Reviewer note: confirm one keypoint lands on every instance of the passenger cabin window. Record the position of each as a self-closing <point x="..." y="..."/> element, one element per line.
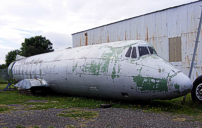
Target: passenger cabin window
<point x="128" y="52"/>
<point x="152" y="51"/>
<point x="143" y="50"/>
<point x="134" y="55"/>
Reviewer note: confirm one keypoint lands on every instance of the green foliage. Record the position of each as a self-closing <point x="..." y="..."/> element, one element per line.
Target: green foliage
<point x="70" y="126"/>
<point x="3" y="108"/>
<point x="3" y="66"/>
<point x="31" y="46"/>
<point x="79" y="114"/>
<point x="10" y="57"/>
<point x="36" y="45"/>
<point x="19" y="126"/>
<point x="2" y="82"/>
<point x="36" y="127"/>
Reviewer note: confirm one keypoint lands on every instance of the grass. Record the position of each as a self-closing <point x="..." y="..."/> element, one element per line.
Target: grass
<point x="3" y="108"/>
<point x="76" y="113"/>
<point x="52" y="101"/>
<point x="20" y="126"/>
<point x="70" y="126"/>
<point x="174" y="106"/>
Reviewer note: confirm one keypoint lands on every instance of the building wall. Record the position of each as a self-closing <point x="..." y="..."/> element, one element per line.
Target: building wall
<point x="171" y="31"/>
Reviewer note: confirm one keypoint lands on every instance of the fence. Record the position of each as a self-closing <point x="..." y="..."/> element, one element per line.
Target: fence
<point x="3" y="75"/>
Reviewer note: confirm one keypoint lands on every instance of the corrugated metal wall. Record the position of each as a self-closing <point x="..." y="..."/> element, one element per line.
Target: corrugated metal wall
<point x="156" y="28"/>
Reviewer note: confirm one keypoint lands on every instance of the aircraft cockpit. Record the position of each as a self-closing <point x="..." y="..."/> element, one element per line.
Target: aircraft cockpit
<point x="138" y="51"/>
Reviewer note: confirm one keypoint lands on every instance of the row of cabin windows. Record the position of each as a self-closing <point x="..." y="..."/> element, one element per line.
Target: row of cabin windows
<point x="24" y="69"/>
<point x="143" y="50"/>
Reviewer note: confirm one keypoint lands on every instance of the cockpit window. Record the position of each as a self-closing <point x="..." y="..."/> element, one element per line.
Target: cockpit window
<point x="152" y="51"/>
<point x="143" y="51"/>
<point x="134" y="55"/>
<point x="128" y="52"/>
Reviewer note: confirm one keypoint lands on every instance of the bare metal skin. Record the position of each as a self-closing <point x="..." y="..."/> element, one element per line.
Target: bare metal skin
<point x="109" y="70"/>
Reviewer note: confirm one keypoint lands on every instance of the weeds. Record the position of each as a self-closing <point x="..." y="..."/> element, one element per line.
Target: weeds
<point x="175" y="106"/>
<point x="79" y="114"/>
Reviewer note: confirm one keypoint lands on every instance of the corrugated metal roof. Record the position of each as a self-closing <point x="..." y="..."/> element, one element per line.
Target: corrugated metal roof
<point x="138" y="16"/>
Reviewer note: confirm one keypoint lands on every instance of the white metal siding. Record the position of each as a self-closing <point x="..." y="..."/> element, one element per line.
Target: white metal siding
<point x="156" y="28"/>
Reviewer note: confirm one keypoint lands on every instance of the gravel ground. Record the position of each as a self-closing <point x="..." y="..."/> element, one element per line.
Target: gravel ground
<point x="108" y="118"/>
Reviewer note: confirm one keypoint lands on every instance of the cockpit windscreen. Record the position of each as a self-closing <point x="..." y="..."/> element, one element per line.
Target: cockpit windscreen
<point x="152" y="51"/>
<point x="128" y="52"/>
<point x="134" y="55"/>
<point x="143" y="50"/>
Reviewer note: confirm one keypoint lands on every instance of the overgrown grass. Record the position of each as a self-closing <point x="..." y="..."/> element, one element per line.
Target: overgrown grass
<point x="52" y="101"/>
<point x="3" y="82"/>
<point x="2" y="86"/>
<point x="3" y="108"/>
<point x="76" y="114"/>
<point x="175" y="106"/>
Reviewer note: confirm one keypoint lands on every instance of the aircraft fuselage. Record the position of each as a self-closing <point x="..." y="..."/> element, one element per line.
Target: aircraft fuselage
<point x="125" y="70"/>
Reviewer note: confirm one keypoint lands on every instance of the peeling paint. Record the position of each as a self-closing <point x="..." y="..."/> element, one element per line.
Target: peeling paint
<point x="149" y="84"/>
<point x="74" y="67"/>
<point x="93" y="68"/>
<point x="104" y="71"/>
<point x="177" y="86"/>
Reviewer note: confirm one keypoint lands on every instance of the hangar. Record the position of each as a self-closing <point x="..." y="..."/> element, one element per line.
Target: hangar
<point x="171" y="31"/>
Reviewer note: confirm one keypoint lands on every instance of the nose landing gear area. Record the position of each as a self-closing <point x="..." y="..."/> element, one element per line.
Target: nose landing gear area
<point x="196" y="93"/>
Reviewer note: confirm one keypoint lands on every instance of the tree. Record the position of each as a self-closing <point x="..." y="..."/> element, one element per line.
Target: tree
<point x="36" y="45"/>
<point x="3" y="66"/>
<point x="10" y="57"/>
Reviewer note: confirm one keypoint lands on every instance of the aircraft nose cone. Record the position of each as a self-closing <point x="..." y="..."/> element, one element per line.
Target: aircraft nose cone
<point x="180" y="84"/>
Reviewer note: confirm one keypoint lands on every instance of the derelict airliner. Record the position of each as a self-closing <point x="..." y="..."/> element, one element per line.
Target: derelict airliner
<point x="124" y="70"/>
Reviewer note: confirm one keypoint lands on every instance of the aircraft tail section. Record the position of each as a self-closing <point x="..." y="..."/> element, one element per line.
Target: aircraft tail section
<point x="19" y="57"/>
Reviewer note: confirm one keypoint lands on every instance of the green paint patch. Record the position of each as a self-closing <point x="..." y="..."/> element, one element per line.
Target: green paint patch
<point x="177" y="86"/>
<point x="149" y="84"/>
<point x="106" y="57"/>
<point x="105" y="65"/>
<point x="143" y="57"/>
<point x="76" y="114"/>
<point x="173" y="75"/>
<point x="114" y="56"/>
<point x="155" y="56"/>
<point x="119" y="68"/>
<point x="113" y="76"/>
<point x="140" y="70"/>
<point x="74" y="67"/>
<point x="93" y="68"/>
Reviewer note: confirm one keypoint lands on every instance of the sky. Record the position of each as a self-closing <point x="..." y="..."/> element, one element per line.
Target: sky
<point x="58" y="19"/>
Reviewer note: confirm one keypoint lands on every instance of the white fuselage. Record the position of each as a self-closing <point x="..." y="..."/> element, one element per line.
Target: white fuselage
<point x="104" y="71"/>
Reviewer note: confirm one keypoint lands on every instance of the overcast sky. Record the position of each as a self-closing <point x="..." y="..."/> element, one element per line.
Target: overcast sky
<point x="58" y="19"/>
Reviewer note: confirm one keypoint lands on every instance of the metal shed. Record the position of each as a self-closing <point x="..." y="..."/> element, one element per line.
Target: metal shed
<point x="171" y="31"/>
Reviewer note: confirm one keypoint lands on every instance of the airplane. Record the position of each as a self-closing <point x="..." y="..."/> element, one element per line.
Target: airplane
<point x="123" y="70"/>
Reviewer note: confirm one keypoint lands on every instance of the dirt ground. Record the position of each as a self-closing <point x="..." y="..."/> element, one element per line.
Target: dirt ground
<point x="106" y="118"/>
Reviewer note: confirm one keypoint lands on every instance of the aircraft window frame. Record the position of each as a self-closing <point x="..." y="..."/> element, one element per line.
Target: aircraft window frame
<point x="153" y="52"/>
<point x="134" y="51"/>
<point x="128" y="53"/>
<point x="140" y="51"/>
